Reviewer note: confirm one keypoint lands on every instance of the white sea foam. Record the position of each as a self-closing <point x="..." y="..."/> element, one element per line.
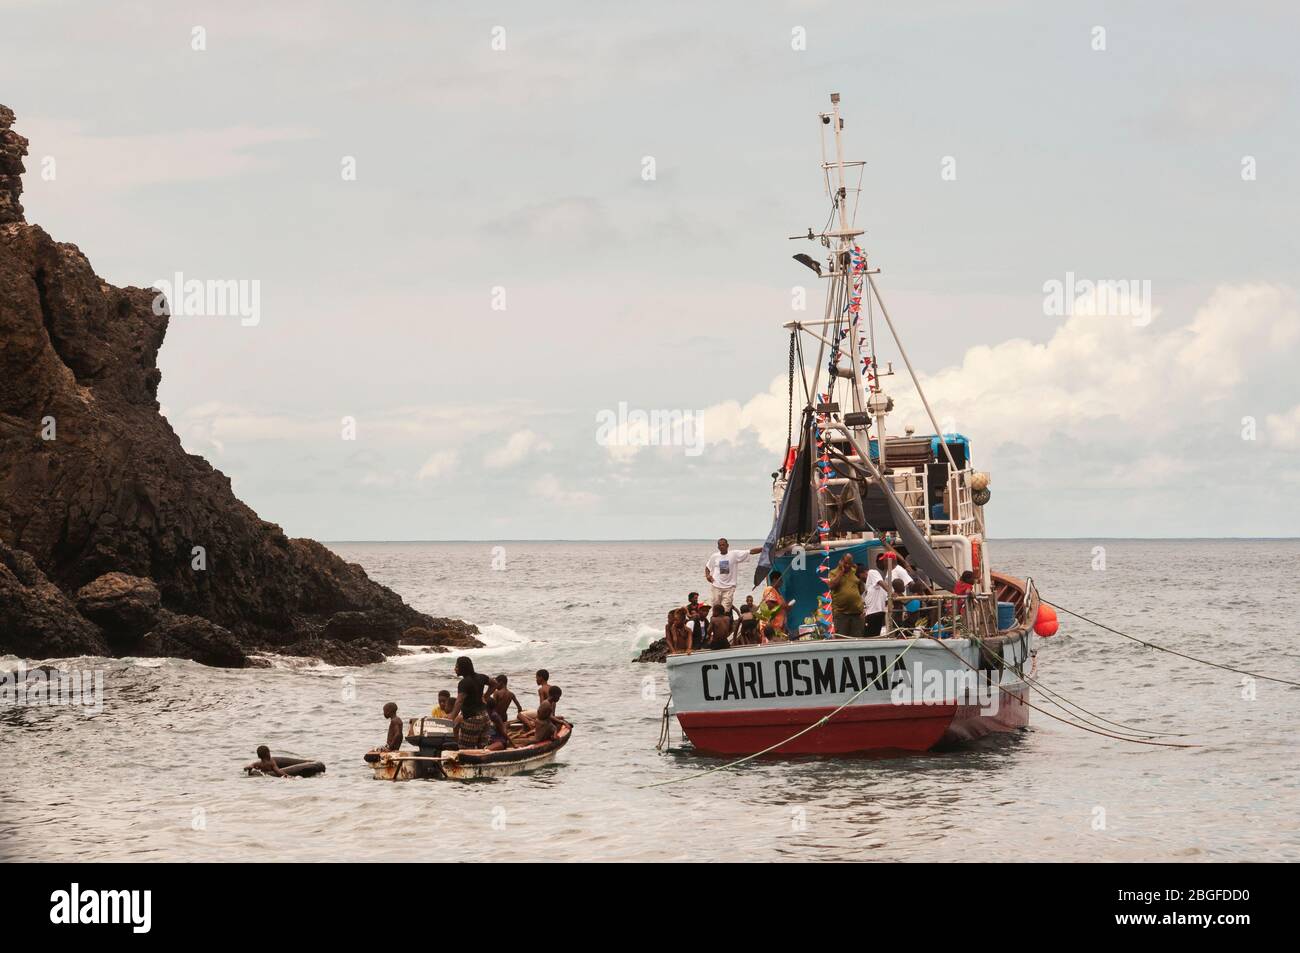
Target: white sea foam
<point x="295" y="663"/>
<point x="496" y="639"/>
<point x="645" y="634"/>
<point x="495" y="636"/>
<point x="140" y="662"/>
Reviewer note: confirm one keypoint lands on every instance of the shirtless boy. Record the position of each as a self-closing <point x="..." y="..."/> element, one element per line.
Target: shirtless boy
<point x="394" y="740"/>
<point x="264" y="764"/>
<point x="545" y="730"/>
<point x="502" y="697"/>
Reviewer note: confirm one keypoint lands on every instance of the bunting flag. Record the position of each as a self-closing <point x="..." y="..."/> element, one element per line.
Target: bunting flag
<point x="825" y="470"/>
<point x="824" y="473"/>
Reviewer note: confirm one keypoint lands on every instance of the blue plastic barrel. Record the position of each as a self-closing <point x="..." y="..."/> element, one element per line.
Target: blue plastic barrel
<point x="1006" y="615"/>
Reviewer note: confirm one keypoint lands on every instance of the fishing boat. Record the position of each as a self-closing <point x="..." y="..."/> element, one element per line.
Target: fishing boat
<point x="946" y="667"/>
<point x="437" y="757"/>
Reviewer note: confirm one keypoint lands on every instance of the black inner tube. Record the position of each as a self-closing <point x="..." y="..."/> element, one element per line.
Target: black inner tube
<point x="299" y="767"/>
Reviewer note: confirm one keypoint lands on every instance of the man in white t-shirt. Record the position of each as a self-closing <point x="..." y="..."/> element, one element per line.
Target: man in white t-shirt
<point x="720" y="571"/>
<point x="897" y="572"/>
<point x="875" y="600"/>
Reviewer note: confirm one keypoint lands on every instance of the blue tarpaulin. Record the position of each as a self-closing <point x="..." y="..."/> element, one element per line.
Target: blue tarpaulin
<point x="804" y="586"/>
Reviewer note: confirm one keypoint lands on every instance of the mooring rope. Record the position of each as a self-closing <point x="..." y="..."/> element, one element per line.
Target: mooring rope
<point x="1152" y="645"/>
<point x="798" y="734"/>
<point x="1056" y="698"/>
<point x="665" y="730"/>
<point x="1095" y="731"/>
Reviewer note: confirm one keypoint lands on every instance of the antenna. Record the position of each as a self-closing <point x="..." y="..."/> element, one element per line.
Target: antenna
<point x="842" y="193"/>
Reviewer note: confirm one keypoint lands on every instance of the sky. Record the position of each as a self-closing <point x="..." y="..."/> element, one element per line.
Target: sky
<point x="476" y="232"/>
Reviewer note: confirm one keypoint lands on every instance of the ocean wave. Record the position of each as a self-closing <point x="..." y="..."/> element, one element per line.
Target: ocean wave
<point x="496" y="639"/>
<point x="11" y="662"/>
<point x="295" y="663"/>
<point x="494" y="636"/>
<point x="644" y="635"/>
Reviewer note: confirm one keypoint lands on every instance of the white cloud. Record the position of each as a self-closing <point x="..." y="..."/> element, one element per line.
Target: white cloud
<point x="1098" y="374"/>
<point x="439" y="464"/>
<point x="763" y="415"/>
<point x="549" y="488"/>
<point x="1283" y="430"/>
<point x="1100" y="382"/>
<point x="517" y="448"/>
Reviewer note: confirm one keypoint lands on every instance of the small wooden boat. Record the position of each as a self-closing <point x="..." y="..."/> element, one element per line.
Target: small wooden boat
<point x="437" y="758"/>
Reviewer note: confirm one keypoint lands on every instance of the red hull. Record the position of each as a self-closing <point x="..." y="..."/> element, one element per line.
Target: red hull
<point x="855" y="730"/>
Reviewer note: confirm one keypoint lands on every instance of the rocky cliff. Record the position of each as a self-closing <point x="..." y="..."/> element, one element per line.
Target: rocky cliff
<point x="113" y="539"/>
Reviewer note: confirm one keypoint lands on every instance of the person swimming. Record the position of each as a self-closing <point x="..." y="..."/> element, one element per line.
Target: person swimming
<point x="265" y="764"/>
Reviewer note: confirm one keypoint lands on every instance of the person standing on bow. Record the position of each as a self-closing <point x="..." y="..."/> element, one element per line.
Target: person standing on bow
<point x="720" y="571"/>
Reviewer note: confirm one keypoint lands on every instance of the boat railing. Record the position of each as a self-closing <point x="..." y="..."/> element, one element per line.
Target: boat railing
<point x="913" y="491"/>
<point x="955" y="615"/>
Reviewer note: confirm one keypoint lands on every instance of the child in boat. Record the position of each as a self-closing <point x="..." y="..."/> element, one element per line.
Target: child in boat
<point x="394" y="740"/>
<point x="553" y="693"/>
<point x="676" y="633"/>
<point x="545" y="729"/>
<point x="499" y="736"/>
<point x="697" y="617"/>
<point x="543" y="683"/>
<point x="502" y="698"/>
<point x="748" y="633"/>
<point x="265" y="764"/>
<point x="720" y="628"/>
<point x="444" y="706"/>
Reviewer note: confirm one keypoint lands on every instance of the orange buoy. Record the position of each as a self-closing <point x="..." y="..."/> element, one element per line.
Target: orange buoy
<point x="1046" y="623"/>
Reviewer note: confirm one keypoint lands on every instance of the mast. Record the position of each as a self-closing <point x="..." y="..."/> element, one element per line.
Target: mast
<point x="846" y="425"/>
<point x="841" y="242"/>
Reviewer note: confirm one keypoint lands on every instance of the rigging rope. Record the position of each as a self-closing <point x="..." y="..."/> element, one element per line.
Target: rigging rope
<point x="789" y="413"/>
<point x="1152" y="645"/>
<point x="798" y="734"/>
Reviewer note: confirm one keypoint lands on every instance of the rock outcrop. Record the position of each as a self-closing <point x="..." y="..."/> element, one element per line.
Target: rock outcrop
<point x="124" y="607"/>
<point x="36" y="619"/>
<point x="99" y="499"/>
<point x="446" y="633"/>
<point x="656" y="651"/>
<point x="192" y="637"/>
<point x="12" y="149"/>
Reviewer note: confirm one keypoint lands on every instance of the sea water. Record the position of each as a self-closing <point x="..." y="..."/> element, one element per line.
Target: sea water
<point x="155" y="774"/>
